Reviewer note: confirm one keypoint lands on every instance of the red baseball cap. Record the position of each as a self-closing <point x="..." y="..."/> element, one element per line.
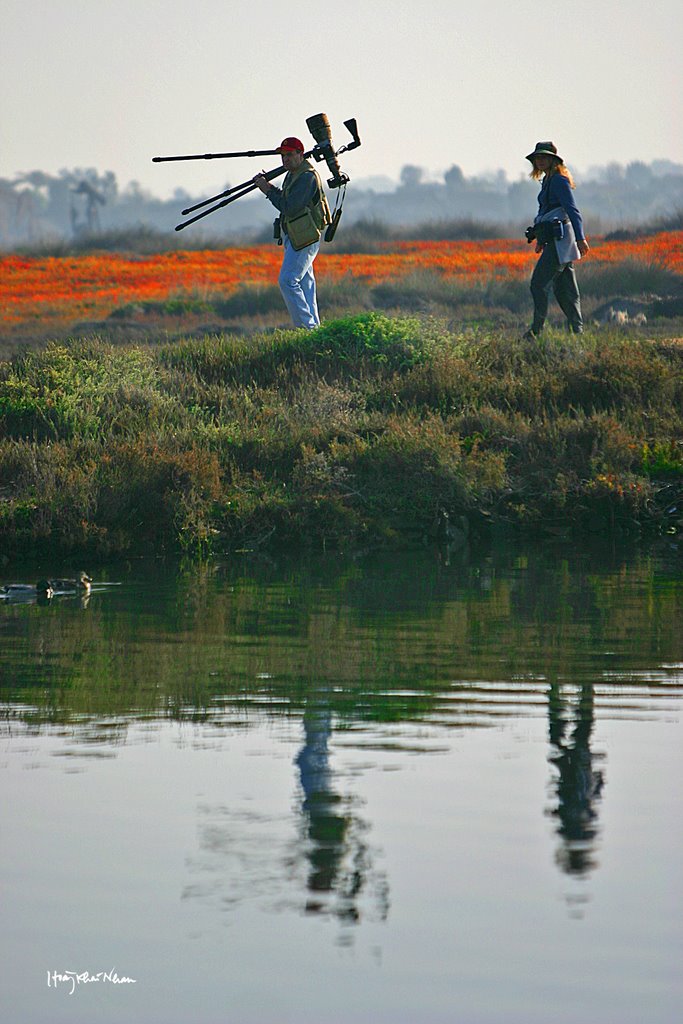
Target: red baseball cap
<point x="291" y="145"/>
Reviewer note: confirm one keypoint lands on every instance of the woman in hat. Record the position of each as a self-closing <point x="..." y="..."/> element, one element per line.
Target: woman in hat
<point x="560" y="239"/>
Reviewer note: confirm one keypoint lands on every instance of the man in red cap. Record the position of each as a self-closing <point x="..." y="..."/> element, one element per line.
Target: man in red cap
<point x="304" y="212"/>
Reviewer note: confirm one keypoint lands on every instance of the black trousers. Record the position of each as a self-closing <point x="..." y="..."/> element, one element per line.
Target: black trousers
<point x="561" y="277"/>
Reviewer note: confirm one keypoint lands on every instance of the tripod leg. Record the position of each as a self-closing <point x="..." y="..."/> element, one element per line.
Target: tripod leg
<point x="218" y="206"/>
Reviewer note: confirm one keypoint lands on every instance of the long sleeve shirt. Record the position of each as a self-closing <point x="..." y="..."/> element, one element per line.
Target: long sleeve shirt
<point x="298" y="191"/>
<point x="556" y="191"/>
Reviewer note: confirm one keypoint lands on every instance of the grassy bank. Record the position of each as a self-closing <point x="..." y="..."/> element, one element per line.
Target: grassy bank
<point x="366" y="430"/>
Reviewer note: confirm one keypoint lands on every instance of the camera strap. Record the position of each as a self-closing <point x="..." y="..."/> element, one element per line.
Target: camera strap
<point x="336" y="216"/>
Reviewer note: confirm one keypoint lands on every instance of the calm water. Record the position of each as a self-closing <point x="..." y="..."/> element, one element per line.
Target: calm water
<point x="414" y="788"/>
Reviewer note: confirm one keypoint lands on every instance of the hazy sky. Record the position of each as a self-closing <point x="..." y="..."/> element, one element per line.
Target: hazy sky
<point x="110" y="83"/>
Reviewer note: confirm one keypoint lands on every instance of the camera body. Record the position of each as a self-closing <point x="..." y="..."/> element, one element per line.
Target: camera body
<point x="545" y="231"/>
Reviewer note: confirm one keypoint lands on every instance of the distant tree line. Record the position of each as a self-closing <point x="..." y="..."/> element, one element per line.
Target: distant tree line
<point x="38" y="207"/>
<point x="615" y="196"/>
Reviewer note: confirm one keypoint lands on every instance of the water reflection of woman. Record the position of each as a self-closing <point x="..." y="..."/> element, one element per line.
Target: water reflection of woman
<point x="578" y="785"/>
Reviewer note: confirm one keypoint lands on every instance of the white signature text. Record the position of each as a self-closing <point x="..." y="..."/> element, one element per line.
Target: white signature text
<point x="75" y="978"/>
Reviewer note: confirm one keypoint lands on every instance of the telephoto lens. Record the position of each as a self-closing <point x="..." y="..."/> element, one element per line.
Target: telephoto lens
<point x="319" y="127"/>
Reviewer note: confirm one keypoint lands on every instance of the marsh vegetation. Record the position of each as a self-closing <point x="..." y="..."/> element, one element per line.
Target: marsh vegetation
<point x="365" y="431"/>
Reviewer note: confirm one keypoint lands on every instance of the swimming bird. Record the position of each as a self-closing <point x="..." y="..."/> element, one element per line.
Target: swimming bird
<point x="81" y="585"/>
<point x="26" y="591"/>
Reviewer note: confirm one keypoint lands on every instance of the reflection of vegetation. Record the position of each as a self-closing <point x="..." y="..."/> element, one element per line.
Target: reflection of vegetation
<point x="495" y="635"/>
<point x="399" y="638"/>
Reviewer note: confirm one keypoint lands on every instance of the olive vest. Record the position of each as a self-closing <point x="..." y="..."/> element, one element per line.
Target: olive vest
<point x="318" y="205"/>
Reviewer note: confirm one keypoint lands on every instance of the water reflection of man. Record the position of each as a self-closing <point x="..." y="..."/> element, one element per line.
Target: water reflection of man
<point x="578" y="785"/>
<point x="339" y="861"/>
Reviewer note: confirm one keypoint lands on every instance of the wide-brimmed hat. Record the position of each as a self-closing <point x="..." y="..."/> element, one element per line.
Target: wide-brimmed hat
<point x="545" y="149"/>
<point x="291" y="145"/>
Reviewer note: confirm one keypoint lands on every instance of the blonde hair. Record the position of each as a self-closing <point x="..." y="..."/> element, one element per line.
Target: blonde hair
<point x="557" y="168"/>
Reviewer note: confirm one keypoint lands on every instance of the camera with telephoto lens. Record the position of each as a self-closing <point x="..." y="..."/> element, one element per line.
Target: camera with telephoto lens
<point x="319" y="127"/>
<point x="530" y="234"/>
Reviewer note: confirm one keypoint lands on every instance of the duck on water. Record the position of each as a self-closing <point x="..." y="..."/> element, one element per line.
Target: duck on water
<point x="47" y="588"/>
<point x="81" y="585"/>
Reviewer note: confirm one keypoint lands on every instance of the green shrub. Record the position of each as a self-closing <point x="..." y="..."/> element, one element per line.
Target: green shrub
<point x="369" y="338"/>
<point x="662" y="459"/>
<point x="66" y="391"/>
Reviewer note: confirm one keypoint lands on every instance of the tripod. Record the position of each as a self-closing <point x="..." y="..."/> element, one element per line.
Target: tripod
<point x="319" y="127"/>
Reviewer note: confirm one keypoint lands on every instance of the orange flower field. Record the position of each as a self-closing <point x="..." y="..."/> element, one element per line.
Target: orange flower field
<point x="41" y="292"/>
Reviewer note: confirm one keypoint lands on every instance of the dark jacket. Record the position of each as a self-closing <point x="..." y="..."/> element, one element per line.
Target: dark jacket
<point x="299" y="190"/>
<point x="556" y="191"/>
